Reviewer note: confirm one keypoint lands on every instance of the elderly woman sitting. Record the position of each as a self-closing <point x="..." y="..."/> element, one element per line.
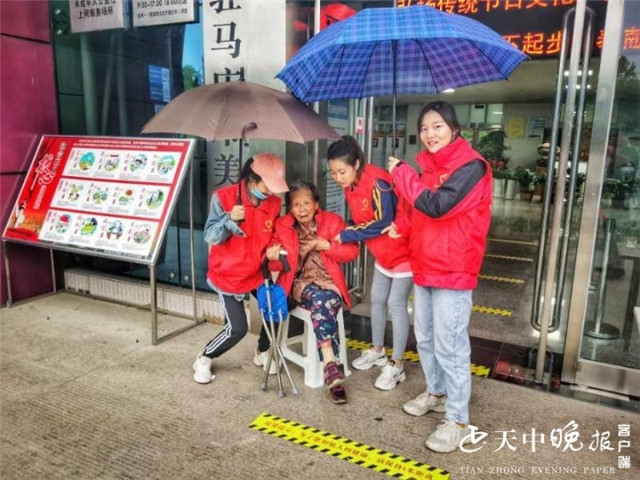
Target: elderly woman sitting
<point x="315" y="280"/>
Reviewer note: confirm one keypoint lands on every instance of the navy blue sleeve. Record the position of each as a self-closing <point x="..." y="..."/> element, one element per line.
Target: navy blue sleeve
<point x="384" y="203"/>
<point x="453" y="190"/>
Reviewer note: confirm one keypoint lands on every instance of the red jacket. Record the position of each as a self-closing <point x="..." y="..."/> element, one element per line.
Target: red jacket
<point x="387" y="251"/>
<point x="447" y="252"/>
<point x="329" y="225"/>
<point x="234" y="265"/>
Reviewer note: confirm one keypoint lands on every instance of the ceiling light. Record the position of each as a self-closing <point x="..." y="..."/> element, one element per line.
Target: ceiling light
<point x="448" y="90"/>
<point x="496" y="113"/>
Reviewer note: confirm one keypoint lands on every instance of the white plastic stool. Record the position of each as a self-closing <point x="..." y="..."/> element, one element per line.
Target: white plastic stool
<point x="309" y="361"/>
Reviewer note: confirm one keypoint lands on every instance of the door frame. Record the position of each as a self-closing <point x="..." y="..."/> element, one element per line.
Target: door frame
<point x="578" y="370"/>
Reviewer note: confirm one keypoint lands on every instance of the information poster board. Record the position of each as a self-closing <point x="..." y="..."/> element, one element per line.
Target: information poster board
<point x="106" y="196"/>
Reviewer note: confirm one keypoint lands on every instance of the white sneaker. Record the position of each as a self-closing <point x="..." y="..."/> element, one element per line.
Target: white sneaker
<point x="202" y="369"/>
<point x="423" y="403"/>
<point x="369" y="358"/>
<point x="390" y="377"/>
<point x="448" y="437"/>
<point x="260" y="359"/>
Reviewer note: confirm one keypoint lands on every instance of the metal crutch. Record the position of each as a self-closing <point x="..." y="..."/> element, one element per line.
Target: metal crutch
<point x="274" y="335"/>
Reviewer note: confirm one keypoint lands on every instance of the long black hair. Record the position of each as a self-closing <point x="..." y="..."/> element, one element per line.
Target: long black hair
<point x="446" y="111"/>
<point x="348" y="151"/>
<point x="248" y="174"/>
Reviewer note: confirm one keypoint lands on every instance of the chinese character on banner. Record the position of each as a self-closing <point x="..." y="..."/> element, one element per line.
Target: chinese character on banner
<point x="226" y="36"/>
<point x="631" y="38"/>
<point x="227" y="76"/>
<point x="222" y="5"/>
<point x="226" y="169"/>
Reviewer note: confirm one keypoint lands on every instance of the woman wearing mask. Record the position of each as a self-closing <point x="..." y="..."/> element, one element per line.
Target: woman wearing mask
<point x="315" y="280"/>
<point x="238" y="230"/>
<point x="447" y="233"/>
<point x="372" y="202"/>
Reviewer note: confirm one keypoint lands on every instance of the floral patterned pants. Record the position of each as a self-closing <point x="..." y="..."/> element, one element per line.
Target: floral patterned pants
<point x="324" y="306"/>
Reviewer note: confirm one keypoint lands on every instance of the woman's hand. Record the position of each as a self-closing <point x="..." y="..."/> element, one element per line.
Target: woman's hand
<point x="273" y="253"/>
<point x="392" y="231"/>
<point x="392" y="163"/>
<point x="322" y="244"/>
<point x="237" y="213"/>
<point x="337" y="238"/>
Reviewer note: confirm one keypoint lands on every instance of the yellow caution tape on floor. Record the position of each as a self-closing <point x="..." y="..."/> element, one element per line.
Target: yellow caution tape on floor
<point x="510" y="257"/>
<point x="390" y="464"/>
<point x="492" y="311"/>
<point x="518" y="242"/>
<point x="410" y="356"/>
<point x="495" y="278"/>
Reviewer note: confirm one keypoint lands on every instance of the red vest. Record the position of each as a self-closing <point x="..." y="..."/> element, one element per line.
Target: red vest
<point x="447" y="252"/>
<point x="388" y="252"/>
<point x="234" y="265"/>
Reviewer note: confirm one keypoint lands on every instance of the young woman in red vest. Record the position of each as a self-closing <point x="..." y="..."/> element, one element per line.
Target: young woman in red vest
<point x="238" y="230"/>
<point x="447" y="234"/>
<point x="373" y="205"/>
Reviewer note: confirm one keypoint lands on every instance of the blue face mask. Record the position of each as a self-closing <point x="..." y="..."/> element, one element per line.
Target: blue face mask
<point x="258" y="194"/>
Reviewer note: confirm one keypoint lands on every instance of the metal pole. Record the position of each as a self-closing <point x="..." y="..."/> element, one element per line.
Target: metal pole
<point x="542" y="241"/>
<point x="192" y="249"/>
<point x="598" y="329"/>
<point x="154" y="304"/>
<point x="7" y="273"/>
<point x="53" y="271"/>
<point x="573" y="176"/>
<point x="88" y="86"/>
<point x="369" y="128"/>
<point x="106" y="98"/>
<point x="122" y="90"/>
<point x="560" y="188"/>
<point x="316" y="105"/>
<point x="394" y="53"/>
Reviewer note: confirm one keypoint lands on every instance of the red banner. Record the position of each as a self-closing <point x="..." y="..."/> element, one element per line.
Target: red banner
<point x="110" y="196"/>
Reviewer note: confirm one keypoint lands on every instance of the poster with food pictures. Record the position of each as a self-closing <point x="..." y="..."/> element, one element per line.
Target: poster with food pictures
<point x="111" y="196"/>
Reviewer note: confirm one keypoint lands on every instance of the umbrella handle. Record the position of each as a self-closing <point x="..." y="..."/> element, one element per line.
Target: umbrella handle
<point x="239" y="199"/>
<point x="244" y="131"/>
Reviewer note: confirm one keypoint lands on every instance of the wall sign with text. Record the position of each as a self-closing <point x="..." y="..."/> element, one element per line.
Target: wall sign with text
<point x="107" y="196"/>
<point x="93" y="15"/>
<point x="145" y="13"/>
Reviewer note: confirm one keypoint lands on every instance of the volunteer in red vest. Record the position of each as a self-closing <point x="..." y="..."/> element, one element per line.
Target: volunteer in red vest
<point x="316" y="280"/>
<point x="238" y="230"/>
<point x="447" y="234"/>
<point x="373" y="204"/>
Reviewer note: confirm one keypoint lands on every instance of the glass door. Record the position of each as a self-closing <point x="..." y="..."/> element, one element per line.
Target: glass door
<point x="603" y="345"/>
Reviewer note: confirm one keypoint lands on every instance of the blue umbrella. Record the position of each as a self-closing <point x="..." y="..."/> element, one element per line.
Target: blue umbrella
<point x="384" y="51"/>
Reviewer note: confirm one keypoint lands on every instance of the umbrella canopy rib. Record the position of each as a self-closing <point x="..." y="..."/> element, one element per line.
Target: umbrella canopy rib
<point x="426" y="60"/>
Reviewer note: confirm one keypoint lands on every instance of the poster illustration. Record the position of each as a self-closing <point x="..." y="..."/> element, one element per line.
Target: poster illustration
<point x="108" y="195"/>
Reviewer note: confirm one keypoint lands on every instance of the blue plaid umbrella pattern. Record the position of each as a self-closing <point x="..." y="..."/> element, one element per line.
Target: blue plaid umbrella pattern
<point x="384" y="51"/>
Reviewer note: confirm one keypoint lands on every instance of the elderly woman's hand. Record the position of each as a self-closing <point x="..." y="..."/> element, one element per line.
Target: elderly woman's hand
<point x="273" y="253"/>
<point x="322" y="244"/>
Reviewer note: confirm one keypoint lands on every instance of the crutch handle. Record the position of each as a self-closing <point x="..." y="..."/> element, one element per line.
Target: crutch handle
<point x="285" y="264"/>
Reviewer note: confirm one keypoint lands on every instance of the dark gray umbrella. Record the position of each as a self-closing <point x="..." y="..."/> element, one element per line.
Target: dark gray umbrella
<point x="240" y="110"/>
